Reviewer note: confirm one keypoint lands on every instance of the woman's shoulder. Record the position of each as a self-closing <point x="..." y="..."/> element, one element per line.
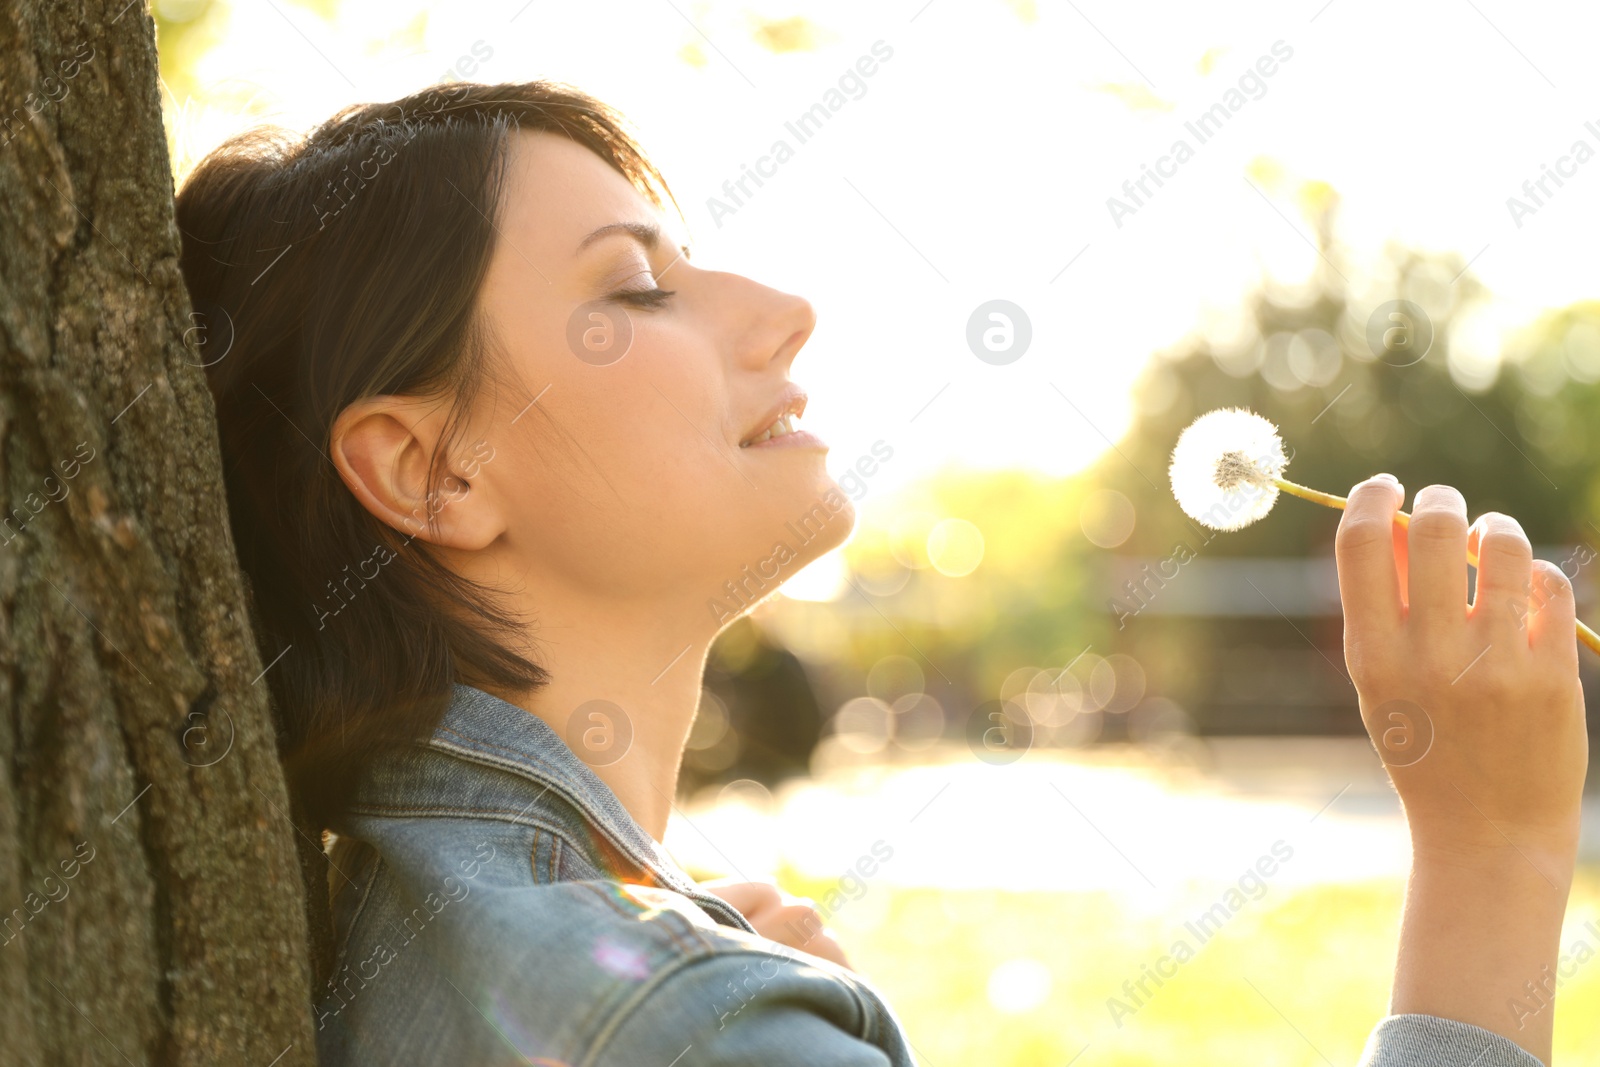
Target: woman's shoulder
<point x="479" y="965"/>
<point x="494" y="779"/>
<point x="494" y="902"/>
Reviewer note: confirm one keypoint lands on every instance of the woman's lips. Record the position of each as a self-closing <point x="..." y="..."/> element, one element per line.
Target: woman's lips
<point x="783" y="424"/>
<point x="795" y="439"/>
<point x="789" y="406"/>
<point x="782" y="432"/>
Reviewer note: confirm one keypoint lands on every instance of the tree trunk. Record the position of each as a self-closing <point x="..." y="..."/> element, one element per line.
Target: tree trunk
<point x="151" y="894"/>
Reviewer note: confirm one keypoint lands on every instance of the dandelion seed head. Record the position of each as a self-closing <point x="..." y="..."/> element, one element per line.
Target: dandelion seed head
<point x="1224" y="468"/>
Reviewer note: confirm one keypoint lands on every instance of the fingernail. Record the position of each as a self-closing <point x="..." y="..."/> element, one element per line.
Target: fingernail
<point x="1390" y="477"/>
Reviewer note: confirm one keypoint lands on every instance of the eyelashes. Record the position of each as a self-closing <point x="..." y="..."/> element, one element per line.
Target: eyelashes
<point x="647" y="298"/>
<point x="644" y="298"/>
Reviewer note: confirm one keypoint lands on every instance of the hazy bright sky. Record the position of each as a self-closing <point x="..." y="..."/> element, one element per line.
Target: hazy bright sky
<point x="978" y="162"/>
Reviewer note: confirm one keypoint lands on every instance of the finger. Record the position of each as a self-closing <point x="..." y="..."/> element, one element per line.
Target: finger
<point x="801" y="927"/>
<point x="749" y="898"/>
<point x="829" y="949"/>
<point x="802" y="918"/>
<point x="1552" y="616"/>
<point x="1505" y="563"/>
<point x="792" y="925"/>
<point x="1436" y="551"/>
<point x="1369" y="584"/>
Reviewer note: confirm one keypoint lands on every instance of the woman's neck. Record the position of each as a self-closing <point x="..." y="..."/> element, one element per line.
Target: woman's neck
<point x="624" y="687"/>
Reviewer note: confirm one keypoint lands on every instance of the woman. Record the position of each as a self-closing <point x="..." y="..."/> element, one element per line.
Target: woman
<point x="497" y="452"/>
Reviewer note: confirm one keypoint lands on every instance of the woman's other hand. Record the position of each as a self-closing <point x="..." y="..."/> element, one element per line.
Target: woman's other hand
<point x="777" y="916"/>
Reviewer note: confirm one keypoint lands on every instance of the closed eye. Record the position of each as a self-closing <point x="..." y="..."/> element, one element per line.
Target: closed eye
<point x="644" y="298"/>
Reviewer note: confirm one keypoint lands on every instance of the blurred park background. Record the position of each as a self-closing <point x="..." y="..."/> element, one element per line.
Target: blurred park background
<point x="1072" y="718"/>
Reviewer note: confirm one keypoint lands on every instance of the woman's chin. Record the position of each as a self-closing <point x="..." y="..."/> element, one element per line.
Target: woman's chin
<point x="839" y="528"/>
<point x="788" y="535"/>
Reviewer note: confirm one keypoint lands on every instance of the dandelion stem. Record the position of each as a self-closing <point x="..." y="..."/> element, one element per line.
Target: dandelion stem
<point x="1316" y="496"/>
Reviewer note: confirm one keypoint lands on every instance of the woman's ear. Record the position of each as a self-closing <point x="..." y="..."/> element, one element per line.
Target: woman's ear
<point x="382" y="447"/>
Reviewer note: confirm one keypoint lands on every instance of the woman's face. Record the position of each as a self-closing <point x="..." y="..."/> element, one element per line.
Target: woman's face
<point x="640" y="470"/>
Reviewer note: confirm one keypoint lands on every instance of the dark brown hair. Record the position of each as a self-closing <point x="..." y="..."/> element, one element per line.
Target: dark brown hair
<point x="329" y="268"/>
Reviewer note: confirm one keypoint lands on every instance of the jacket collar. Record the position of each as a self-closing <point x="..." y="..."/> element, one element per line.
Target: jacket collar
<point x="480" y="728"/>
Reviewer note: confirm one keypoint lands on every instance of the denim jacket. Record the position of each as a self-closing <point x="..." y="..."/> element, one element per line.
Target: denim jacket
<point x="494" y="903"/>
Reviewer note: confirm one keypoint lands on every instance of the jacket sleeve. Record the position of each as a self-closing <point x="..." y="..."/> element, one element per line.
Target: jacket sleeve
<point x="750" y="1008"/>
<point x="1429" y="1041"/>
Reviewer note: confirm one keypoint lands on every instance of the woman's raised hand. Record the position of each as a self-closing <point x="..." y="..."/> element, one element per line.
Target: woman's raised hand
<point x="1477" y="713"/>
<point x="1476" y="709"/>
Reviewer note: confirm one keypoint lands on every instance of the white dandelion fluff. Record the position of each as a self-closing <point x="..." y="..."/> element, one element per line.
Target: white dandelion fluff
<point x="1225" y="468"/>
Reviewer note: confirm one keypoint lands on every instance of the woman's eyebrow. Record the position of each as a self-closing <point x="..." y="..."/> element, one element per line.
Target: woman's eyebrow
<point x="646" y="233"/>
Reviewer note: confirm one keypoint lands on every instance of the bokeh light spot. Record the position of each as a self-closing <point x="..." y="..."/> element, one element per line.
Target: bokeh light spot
<point x="1019" y="985"/>
<point x="1107" y="518"/>
<point x="955" y="547"/>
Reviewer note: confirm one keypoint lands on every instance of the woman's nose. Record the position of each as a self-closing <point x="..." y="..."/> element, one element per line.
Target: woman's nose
<point x="779" y="326"/>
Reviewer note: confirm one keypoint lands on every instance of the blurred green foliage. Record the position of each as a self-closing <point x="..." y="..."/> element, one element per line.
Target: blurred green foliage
<point x="1030" y="602"/>
<point x="1521" y="443"/>
<point x="1513" y="430"/>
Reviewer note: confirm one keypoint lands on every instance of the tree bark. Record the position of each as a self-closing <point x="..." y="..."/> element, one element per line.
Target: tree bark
<point x="151" y="897"/>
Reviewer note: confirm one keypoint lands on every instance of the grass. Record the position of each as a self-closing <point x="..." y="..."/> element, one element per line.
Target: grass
<point x="1296" y="979"/>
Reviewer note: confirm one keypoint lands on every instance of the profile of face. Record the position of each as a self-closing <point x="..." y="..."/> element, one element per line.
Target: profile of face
<point x="644" y="479"/>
